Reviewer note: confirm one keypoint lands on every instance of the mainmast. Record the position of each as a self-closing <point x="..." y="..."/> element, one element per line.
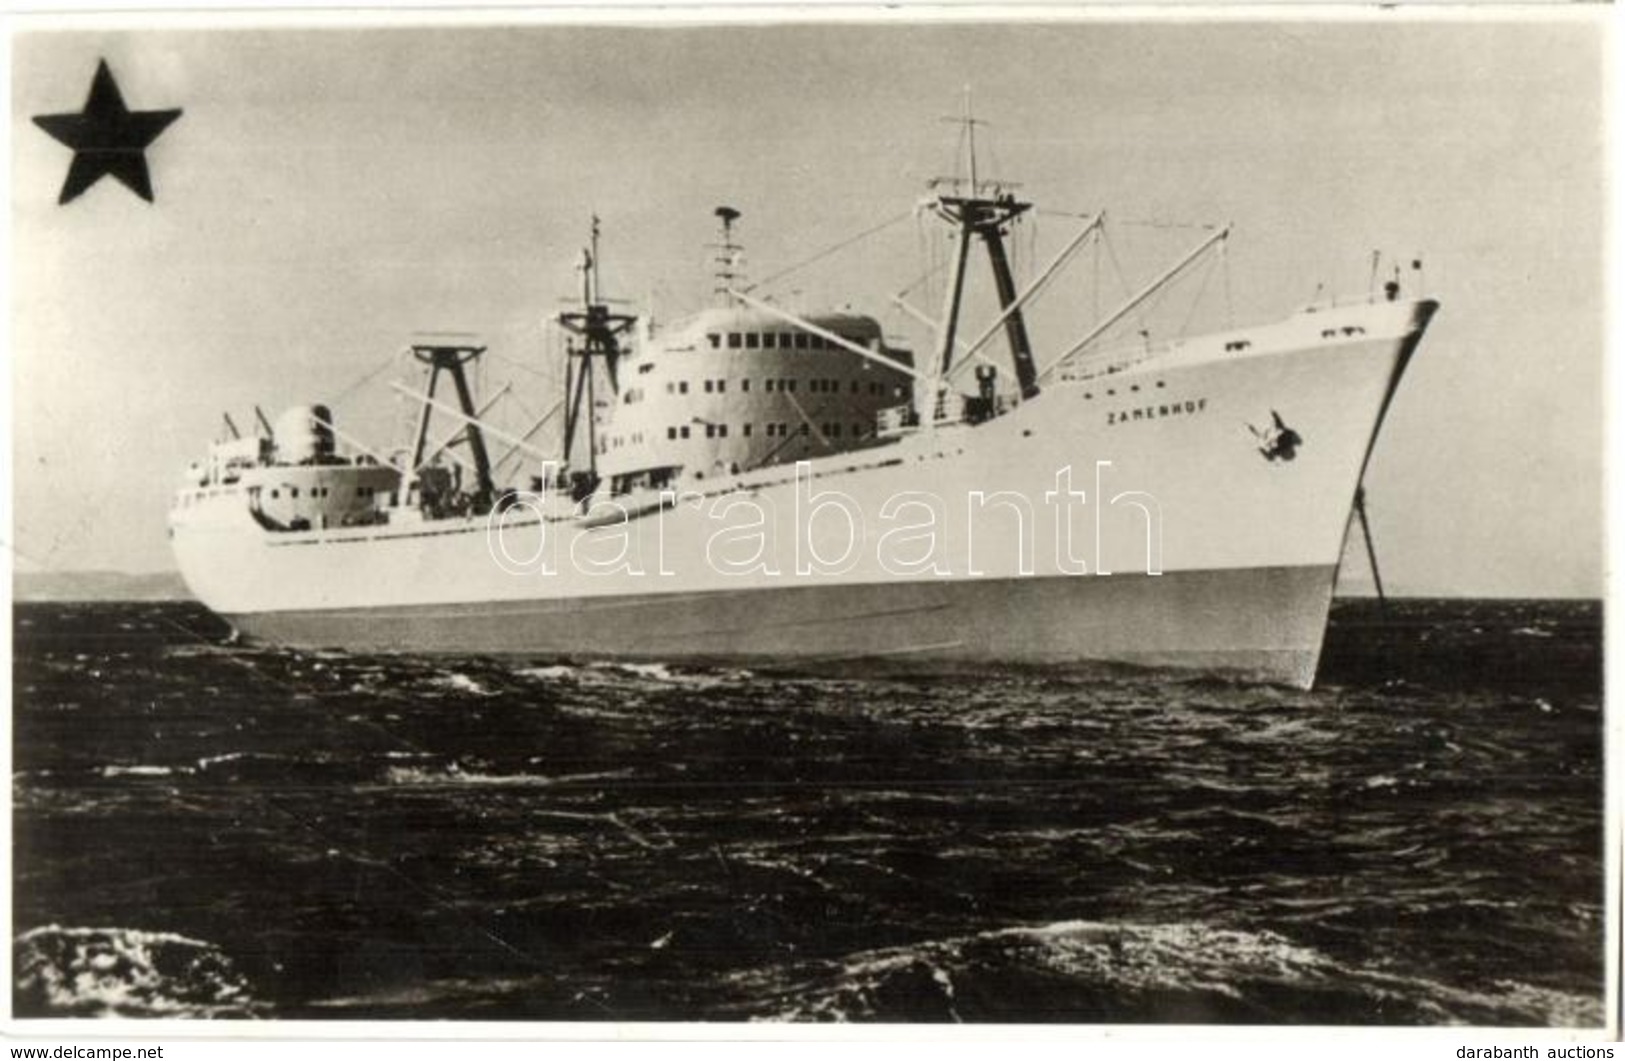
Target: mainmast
<point x="982" y="209"/>
<point x="599" y="331"/>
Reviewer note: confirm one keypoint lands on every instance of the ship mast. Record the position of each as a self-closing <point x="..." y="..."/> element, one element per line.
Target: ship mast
<point x="729" y="255"/>
<point x="599" y="332"/>
<point x="984" y="210"/>
<point x="451" y="359"/>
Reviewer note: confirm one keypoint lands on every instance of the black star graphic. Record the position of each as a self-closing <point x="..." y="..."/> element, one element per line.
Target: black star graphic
<point x="107" y="139"/>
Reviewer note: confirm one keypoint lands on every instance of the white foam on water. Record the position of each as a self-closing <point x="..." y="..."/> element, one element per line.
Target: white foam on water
<point x="209" y="761"/>
<point x="126" y="972"/>
<point x="619" y="673"/>
<point x="557" y="672"/>
<point x="1559" y="1009"/>
<point x="461" y="683"/>
<point x="454" y="775"/>
<point x="141" y="770"/>
<point x="1156" y="960"/>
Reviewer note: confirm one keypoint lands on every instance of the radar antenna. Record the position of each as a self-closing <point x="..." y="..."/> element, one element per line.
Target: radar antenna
<point x="730" y="255"/>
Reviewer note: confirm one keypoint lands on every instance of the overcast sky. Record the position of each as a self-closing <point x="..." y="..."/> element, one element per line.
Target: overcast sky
<point x="327" y="193"/>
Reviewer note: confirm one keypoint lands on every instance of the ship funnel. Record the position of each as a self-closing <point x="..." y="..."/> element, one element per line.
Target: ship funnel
<point x="304" y="434"/>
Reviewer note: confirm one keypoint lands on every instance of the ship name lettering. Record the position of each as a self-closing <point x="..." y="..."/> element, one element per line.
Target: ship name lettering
<point x="1155" y="412"/>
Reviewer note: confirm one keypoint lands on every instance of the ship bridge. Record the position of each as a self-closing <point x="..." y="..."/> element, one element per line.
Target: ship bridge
<point x="732" y="388"/>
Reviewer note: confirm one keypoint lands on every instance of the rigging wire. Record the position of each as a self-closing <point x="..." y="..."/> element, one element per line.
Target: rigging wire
<point x="922" y="254"/>
<point x="529" y="413"/>
<point x="1117" y="267"/>
<point x="1152" y="303"/>
<point x="959" y="148"/>
<point x="1202" y="226"/>
<point x="1039" y="211"/>
<point x="548" y="378"/>
<point x="1094" y="284"/>
<point x="937" y="245"/>
<point x="826" y="252"/>
<point x="1082" y="360"/>
<point x="1208" y="268"/>
<point x="1027" y="247"/>
<point x="812" y="429"/>
<point x="1224" y="265"/>
<point x="388" y="362"/>
<point x="921" y="279"/>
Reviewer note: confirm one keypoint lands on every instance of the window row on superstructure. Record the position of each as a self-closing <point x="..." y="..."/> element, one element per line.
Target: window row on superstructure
<point x="322" y="491"/>
<point x="783" y="385"/>
<point x="774" y="429"/>
<point x="188" y="498"/>
<point x="779" y="341"/>
<point x="191" y="497"/>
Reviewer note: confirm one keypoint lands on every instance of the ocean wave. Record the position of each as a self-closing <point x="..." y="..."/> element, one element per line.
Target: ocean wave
<point x="460" y="683"/>
<point x="318" y="767"/>
<point x="455" y="775"/>
<point x="620" y="673"/>
<point x="198" y="649"/>
<point x="817" y="842"/>
<point x="142" y="770"/>
<point x="126" y="972"/>
<point x="555" y="672"/>
<point x="1087" y="971"/>
<point x="210" y="762"/>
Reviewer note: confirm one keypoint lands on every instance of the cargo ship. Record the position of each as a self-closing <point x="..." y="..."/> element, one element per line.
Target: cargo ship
<point x="756" y="483"/>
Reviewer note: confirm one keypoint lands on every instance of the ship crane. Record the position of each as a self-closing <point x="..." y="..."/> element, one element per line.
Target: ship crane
<point x="598" y="329"/>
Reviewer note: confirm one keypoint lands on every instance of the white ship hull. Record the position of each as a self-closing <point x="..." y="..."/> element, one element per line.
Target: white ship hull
<point x="1205" y="553"/>
<point x="1260" y="623"/>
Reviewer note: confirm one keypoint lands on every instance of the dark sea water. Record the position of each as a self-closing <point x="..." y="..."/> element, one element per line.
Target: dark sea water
<point x="216" y="830"/>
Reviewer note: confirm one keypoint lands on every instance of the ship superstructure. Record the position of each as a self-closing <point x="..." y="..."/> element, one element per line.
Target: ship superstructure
<point x="726" y="390"/>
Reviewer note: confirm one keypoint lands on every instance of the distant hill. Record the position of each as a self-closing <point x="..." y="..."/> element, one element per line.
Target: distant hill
<point x="97" y="585"/>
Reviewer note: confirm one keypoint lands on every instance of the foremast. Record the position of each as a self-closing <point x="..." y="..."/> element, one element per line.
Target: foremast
<point x="985" y="210"/>
<point x="986" y="217"/>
